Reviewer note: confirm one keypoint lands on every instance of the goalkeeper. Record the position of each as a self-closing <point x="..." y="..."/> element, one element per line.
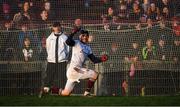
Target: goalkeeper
<point x="80" y="51"/>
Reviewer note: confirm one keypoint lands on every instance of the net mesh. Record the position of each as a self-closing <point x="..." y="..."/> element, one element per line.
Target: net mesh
<point x="143" y="51"/>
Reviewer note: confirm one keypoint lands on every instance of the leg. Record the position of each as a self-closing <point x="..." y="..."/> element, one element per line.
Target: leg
<point x="47" y="80"/>
<point x="68" y="88"/>
<point x="61" y="75"/>
<point x="50" y="73"/>
<point x="85" y="73"/>
<point x="90" y="83"/>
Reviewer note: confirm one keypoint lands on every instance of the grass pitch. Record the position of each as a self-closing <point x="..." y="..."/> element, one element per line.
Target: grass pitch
<point x="89" y="101"/>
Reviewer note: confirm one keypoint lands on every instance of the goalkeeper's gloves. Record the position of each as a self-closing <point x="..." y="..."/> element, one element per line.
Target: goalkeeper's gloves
<point x="104" y="58"/>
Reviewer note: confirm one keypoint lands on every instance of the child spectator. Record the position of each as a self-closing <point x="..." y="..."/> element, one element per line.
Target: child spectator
<point x="149" y="51"/>
<point x="27" y="51"/>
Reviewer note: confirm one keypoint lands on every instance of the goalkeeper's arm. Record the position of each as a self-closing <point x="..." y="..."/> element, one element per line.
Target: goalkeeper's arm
<point x="70" y="40"/>
<point x="95" y="60"/>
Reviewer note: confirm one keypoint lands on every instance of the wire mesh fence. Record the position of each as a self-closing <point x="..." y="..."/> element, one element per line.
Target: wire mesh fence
<point x="126" y="72"/>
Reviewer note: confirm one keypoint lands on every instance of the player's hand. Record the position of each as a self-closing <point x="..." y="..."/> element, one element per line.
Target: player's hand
<point x="104" y="58"/>
<point x="75" y="30"/>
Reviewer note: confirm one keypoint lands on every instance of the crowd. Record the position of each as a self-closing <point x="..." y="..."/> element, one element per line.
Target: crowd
<point x="42" y="11"/>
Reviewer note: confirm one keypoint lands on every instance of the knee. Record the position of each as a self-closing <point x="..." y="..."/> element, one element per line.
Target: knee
<point x="65" y="93"/>
<point x="95" y="75"/>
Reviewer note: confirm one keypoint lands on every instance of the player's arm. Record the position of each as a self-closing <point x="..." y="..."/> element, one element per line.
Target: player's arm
<point x="95" y="60"/>
<point x="70" y="40"/>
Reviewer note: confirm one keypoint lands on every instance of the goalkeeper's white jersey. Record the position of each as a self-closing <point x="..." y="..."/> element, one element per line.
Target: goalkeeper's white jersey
<point x="80" y="52"/>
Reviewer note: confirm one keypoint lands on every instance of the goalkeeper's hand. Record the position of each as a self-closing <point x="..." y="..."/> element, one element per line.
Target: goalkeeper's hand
<point x="76" y="29"/>
<point x="104" y="58"/>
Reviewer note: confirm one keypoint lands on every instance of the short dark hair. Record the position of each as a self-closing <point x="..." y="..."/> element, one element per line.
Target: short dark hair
<point x="84" y="32"/>
<point x="56" y="24"/>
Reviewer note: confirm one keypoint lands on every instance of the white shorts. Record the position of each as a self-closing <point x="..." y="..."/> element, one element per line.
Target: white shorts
<point x="83" y="73"/>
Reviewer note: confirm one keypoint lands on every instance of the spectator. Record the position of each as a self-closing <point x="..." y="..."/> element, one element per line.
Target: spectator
<point x="27" y="51"/>
<point x="25" y="15"/>
<point x="129" y="4"/>
<point x="123" y="12"/>
<point x="109" y="19"/>
<point x="77" y="26"/>
<point x="162" y="50"/>
<point x="44" y="19"/>
<point x="23" y="34"/>
<point x="176" y="50"/>
<point x="106" y="3"/>
<point x="149" y="23"/>
<point x="176" y="26"/>
<point x="145" y="5"/>
<point x="6" y="9"/>
<point x="135" y="52"/>
<point x="51" y="13"/>
<point x="166" y="14"/>
<point x="149" y="51"/>
<point x="109" y="15"/>
<point x="138" y="26"/>
<point x="43" y="52"/>
<point x="162" y="23"/>
<point x="115" y="51"/>
<point x="136" y="12"/>
<point x="7" y="42"/>
<point x="87" y="3"/>
<point x="166" y="4"/>
<point x="153" y="12"/>
<point x="7" y="25"/>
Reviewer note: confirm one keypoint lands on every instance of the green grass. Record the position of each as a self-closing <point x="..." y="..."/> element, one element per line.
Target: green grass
<point x="89" y="101"/>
